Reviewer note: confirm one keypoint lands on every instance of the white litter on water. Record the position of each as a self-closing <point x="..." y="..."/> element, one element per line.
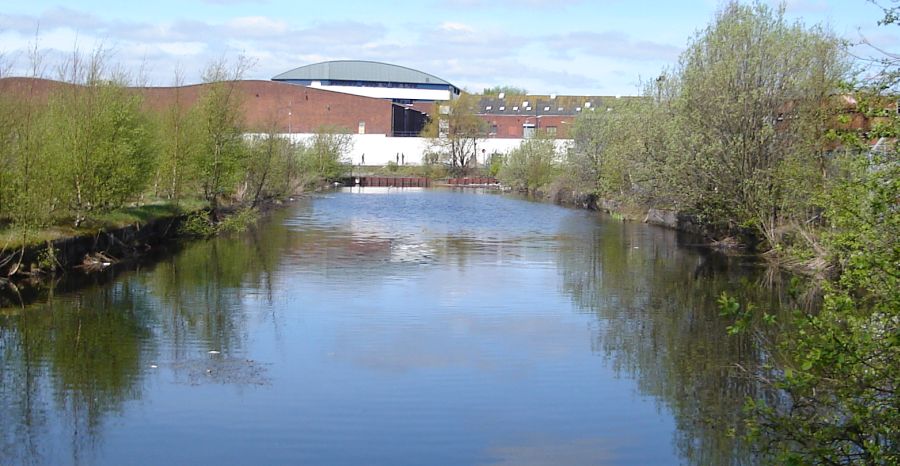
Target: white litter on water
<point x="213" y="352"/>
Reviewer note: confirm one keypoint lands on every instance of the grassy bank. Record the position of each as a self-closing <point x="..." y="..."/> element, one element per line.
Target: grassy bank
<point x="13" y="238"/>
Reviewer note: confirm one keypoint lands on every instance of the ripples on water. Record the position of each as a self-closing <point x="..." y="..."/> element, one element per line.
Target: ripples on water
<point x="389" y="327"/>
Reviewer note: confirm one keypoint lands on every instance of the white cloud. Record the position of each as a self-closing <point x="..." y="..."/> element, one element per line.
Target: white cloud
<point x="182" y="48"/>
<point x="257" y="26"/>
<point x="455" y="27"/>
<point x="611" y="44"/>
<point x="461" y="52"/>
<point x="508" y="3"/>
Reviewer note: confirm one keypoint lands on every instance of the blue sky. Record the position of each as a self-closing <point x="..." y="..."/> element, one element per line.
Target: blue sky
<point x="598" y="47"/>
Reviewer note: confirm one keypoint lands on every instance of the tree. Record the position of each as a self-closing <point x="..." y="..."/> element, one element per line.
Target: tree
<point x="455" y="131"/>
<point x="838" y="373"/>
<point x="752" y="90"/>
<point x="628" y="153"/>
<point x="324" y="158"/>
<point x="25" y="196"/>
<point x="507" y="90"/>
<point x="221" y="139"/>
<point x="272" y="166"/>
<point x="530" y="166"/>
<point x="98" y="140"/>
<point x="178" y="134"/>
<point x="838" y="370"/>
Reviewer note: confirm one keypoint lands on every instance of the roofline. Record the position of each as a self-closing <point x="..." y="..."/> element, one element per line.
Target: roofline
<point x="275" y="78"/>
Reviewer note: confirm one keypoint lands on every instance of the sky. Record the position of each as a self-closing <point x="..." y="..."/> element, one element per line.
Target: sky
<point x="566" y="47"/>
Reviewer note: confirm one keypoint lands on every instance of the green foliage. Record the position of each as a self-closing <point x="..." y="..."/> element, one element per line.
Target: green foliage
<point x="496" y="163"/>
<point x="325" y="156"/>
<point x="47" y="258"/>
<point x="736" y="134"/>
<point x="238" y="221"/>
<point x="627" y="153"/>
<point x="222" y="150"/>
<point x="198" y="224"/>
<point x="454" y="132"/>
<point x="755" y="114"/>
<point x="839" y="366"/>
<point x="100" y="146"/>
<point x="272" y="168"/>
<point x="531" y="166"/>
<point x="91" y="153"/>
<point x="178" y="130"/>
<point x="507" y="90"/>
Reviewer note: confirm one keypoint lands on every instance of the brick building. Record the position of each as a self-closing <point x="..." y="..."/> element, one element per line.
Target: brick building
<point x="287" y="108"/>
<point x="523" y="116"/>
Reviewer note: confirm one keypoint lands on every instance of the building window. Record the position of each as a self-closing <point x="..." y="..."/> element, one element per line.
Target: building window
<point x="362" y="127"/>
<point x="502" y="108"/>
<point x="551" y="131"/>
<point x="528" y="130"/>
<point x="494" y="129"/>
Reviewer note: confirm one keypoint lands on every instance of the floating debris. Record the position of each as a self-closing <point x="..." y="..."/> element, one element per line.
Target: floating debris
<point x="213" y="352"/>
<point x="224" y="371"/>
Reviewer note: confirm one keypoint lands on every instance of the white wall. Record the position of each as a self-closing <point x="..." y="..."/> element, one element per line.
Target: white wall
<point x="380" y="149"/>
<point x="388" y="92"/>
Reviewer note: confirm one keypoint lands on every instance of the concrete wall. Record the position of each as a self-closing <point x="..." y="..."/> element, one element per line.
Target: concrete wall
<point x="380" y="149"/>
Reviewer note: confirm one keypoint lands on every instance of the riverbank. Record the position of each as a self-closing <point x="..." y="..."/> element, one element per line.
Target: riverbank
<point x="729" y="242"/>
<point x="119" y="238"/>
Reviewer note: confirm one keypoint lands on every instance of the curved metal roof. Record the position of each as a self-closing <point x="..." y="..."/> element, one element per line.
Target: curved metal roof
<point x="358" y="70"/>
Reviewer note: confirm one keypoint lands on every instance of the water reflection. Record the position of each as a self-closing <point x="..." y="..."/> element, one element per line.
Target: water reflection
<point x="78" y="359"/>
<point x="656" y="302"/>
<point x="66" y="368"/>
<point x="432" y="327"/>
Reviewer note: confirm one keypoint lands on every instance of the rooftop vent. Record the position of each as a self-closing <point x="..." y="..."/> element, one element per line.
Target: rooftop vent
<point x="502" y="108"/>
<point x="515" y="109"/>
<point x="488" y="108"/>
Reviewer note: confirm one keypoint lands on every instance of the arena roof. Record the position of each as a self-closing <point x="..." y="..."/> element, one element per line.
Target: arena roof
<point x="359" y="70"/>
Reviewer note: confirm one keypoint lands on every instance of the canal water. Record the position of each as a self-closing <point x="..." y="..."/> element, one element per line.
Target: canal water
<point x="388" y="326"/>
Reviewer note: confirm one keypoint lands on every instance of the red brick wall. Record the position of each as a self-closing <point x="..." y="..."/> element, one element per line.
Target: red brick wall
<point x="298" y="108"/>
<point x="263" y="103"/>
<point x="510" y="126"/>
